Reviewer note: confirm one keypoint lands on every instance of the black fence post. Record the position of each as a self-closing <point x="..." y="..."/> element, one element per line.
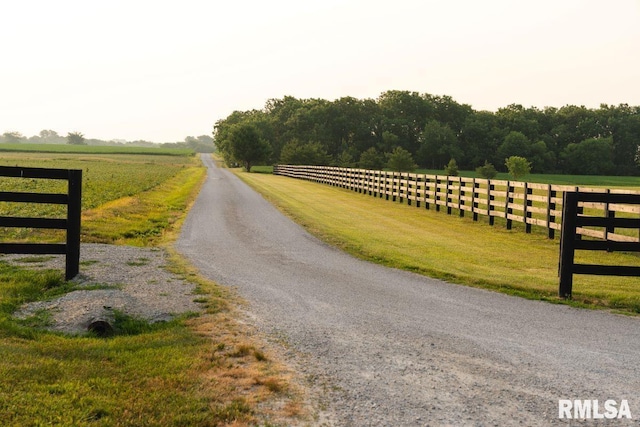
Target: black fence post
<point x="74" y="208"/>
<point x="528" y="203"/>
<point x="490" y="198"/>
<point x="567" y="243"/>
<point x="507" y="209"/>
<point x="551" y="206"/>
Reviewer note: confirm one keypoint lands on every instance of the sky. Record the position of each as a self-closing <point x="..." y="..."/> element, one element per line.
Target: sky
<point x="163" y="70"/>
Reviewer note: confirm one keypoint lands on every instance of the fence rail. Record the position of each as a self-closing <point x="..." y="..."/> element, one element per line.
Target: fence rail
<point x="532" y="204"/>
<point x="572" y="241"/>
<point x="71" y="223"/>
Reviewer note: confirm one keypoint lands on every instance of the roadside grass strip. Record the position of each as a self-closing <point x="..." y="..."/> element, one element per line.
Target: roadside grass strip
<point x="444" y="246"/>
<point x="209" y="369"/>
<point x="204" y="370"/>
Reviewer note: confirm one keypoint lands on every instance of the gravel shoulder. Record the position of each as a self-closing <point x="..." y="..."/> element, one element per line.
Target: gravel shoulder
<point x="129" y="279"/>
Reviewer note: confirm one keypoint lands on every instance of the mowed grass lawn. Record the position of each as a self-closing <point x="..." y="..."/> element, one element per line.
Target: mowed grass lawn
<point x="200" y="370"/>
<point x="445" y="246"/>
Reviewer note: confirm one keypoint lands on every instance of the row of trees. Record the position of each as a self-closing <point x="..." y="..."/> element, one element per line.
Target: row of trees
<point x="434" y="130"/>
<point x="201" y="144"/>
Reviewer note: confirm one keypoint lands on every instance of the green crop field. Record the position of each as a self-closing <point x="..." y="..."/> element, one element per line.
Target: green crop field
<point x="106" y="177"/>
<point x="92" y="149"/>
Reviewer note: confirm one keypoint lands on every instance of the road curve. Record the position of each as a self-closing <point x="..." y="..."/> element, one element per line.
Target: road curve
<point x="398" y="349"/>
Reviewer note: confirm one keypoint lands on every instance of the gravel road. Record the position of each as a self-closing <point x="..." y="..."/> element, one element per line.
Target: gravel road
<point x="392" y="348"/>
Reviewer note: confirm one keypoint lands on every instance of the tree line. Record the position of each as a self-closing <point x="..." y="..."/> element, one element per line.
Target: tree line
<point x="200" y="144"/>
<point x="432" y="131"/>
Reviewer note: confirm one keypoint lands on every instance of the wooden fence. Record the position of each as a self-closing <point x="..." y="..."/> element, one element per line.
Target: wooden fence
<point x="71" y="223"/>
<point x="528" y="203"/>
<point x="572" y="241"/>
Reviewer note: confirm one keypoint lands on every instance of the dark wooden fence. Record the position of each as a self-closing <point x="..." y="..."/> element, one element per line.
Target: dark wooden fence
<point x="71" y="223"/>
<point x="575" y="219"/>
<point x="532" y="204"/>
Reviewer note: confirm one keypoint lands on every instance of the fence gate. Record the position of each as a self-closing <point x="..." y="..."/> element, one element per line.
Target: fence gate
<point x="571" y="241"/>
<point x="71" y="223"/>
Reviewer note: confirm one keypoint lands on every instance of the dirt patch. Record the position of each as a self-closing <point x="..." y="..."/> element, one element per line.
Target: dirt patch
<point x="131" y="280"/>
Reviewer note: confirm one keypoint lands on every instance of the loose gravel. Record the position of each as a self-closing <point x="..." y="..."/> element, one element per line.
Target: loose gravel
<point x="129" y="279"/>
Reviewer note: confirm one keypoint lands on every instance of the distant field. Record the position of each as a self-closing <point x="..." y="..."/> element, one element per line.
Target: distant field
<point x="106" y="178"/>
<point x="93" y="149"/>
<point x="584" y="180"/>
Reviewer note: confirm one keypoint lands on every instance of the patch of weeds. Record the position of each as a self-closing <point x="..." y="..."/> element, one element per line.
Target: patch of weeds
<point x="99" y="286"/>
<point x="39" y="319"/>
<point x="96" y="414"/>
<point x="34" y="259"/>
<point x="244" y="350"/>
<point x="241" y="351"/>
<point x="89" y="262"/>
<point x="237" y="410"/>
<point x="124" y="324"/>
<point x="201" y="300"/>
<point x="139" y="262"/>
<point x="260" y="356"/>
<point x="272" y="384"/>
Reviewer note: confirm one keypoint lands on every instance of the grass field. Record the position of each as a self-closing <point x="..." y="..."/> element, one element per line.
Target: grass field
<point x="207" y="370"/>
<point x="92" y="149"/>
<point x="444" y="246"/>
<point x="584" y="180"/>
<point x="108" y="184"/>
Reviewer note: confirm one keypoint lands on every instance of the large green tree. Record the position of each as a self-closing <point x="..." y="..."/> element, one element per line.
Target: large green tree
<point x="592" y="156"/>
<point x="12" y="137"/>
<point x="439" y="145"/>
<point x="247" y="147"/>
<point x="76" y="138"/>
<point x="371" y="159"/>
<point x="401" y="160"/>
<point x="518" y="166"/>
<point x="405" y="115"/>
<point x="296" y="153"/>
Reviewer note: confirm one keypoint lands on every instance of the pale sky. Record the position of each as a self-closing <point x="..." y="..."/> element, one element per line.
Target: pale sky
<point x="161" y="70"/>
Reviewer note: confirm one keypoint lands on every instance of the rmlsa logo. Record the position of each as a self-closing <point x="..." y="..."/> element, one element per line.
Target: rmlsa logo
<point x="590" y="409"/>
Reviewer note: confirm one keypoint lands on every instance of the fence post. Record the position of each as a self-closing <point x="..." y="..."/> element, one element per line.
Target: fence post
<point x="437" y="193"/>
<point x="551" y="194"/>
<point x="611" y="214"/>
<point x="567" y="243"/>
<point x="448" y="198"/>
<point x="527" y="204"/>
<point x="461" y="194"/>
<point x="72" y="267"/>
<point x="426" y="192"/>
<point x="475" y="205"/>
<point x="490" y="189"/>
<point x="507" y="210"/>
